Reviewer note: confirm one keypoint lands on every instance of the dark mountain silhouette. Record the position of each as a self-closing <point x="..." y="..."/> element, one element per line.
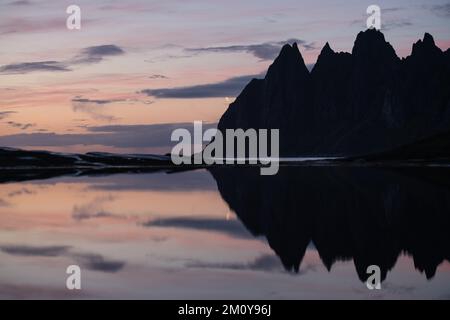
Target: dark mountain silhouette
<point x="350" y="104"/>
<point x="433" y="149"/>
<point x="368" y="215"/>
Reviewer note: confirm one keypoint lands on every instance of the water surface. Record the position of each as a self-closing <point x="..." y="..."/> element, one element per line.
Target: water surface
<point x="228" y="234"/>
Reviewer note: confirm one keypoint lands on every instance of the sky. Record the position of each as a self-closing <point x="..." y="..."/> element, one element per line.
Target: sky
<point x="136" y="70"/>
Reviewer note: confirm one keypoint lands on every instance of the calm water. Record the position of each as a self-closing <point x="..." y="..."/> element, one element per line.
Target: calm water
<point x="228" y="234"/>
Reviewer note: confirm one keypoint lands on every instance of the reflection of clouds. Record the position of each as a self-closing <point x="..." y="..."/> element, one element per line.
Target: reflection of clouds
<point x="97" y="262"/>
<point x="20" y="192"/>
<point x="80" y="215"/>
<point x="388" y="290"/>
<point x="4" y="203"/>
<point x="25" y="291"/>
<point x="232" y="228"/>
<point x="398" y="288"/>
<point x="90" y="261"/>
<point x="46" y="251"/>
<point x="159" y="239"/>
<point x="199" y="180"/>
<point x="265" y="263"/>
<point x="94" y="209"/>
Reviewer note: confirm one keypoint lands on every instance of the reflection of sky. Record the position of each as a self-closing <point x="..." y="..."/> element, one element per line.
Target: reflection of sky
<point x="179" y="242"/>
<point x="213" y="47"/>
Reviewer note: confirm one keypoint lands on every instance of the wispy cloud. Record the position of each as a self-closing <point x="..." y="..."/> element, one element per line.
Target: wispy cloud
<point x="43" y="251"/>
<point x="79" y="100"/>
<point x="97" y="262"/>
<point x="96" y="54"/>
<point x="265" y="263"/>
<point x="387" y="24"/>
<point x="6" y="114"/>
<point x="22" y="126"/>
<point x="158" y="76"/>
<point x="227" y="88"/>
<point x="263" y="51"/>
<point x="189" y="180"/>
<point x="20" y="192"/>
<point x="27" y="67"/>
<point x="90" y="261"/>
<point x="119" y="136"/>
<point x="4" y="203"/>
<point x="20" y="3"/>
<point x="442" y="10"/>
<point x="90" y="107"/>
<point x="16" y="25"/>
<point x="93" y="210"/>
<point x="391" y="19"/>
<point x="229" y="227"/>
<point x="395" y="24"/>
<point x="89" y="55"/>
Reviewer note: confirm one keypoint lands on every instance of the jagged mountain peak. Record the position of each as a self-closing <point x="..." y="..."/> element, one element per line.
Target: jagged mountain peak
<point x="428" y="39"/>
<point x="371" y="43"/>
<point x="328" y="58"/>
<point x="289" y="60"/>
<point x="326" y="49"/>
<point x="426" y="46"/>
<point x="370" y="35"/>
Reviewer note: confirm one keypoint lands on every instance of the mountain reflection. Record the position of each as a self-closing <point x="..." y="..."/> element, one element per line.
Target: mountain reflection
<point x="368" y="215"/>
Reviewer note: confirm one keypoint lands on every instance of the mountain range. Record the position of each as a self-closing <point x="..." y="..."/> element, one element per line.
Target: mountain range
<point x="365" y="102"/>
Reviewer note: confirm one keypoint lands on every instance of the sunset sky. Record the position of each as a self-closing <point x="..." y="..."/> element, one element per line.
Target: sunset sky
<point x="138" y="69"/>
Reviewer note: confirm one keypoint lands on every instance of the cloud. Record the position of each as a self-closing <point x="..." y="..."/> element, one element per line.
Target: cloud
<point x="15" y="25"/>
<point x="393" y="9"/>
<point x="232" y="228"/>
<point x="20" y="192"/>
<point x="394" y="19"/>
<point x="89" y="106"/>
<point x="6" y="114"/>
<point x="228" y="88"/>
<point x="96" y="54"/>
<point x="21" y="250"/>
<point x="120" y="136"/>
<point x="100" y="214"/>
<point x="263" y="51"/>
<point x="93" y="210"/>
<point x="87" y="55"/>
<point x="91" y="261"/>
<point x="386" y="25"/>
<point x="158" y="76"/>
<point x="4" y="203"/>
<point x="22" y="126"/>
<point x="20" y="3"/>
<point x="90" y="101"/>
<point x="28" y="67"/>
<point x="188" y="181"/>
<point x="394" y="24"/>
<point x="97" y="262"/>
<point x="442" y="10"/>
<point x="264" y="263"/>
